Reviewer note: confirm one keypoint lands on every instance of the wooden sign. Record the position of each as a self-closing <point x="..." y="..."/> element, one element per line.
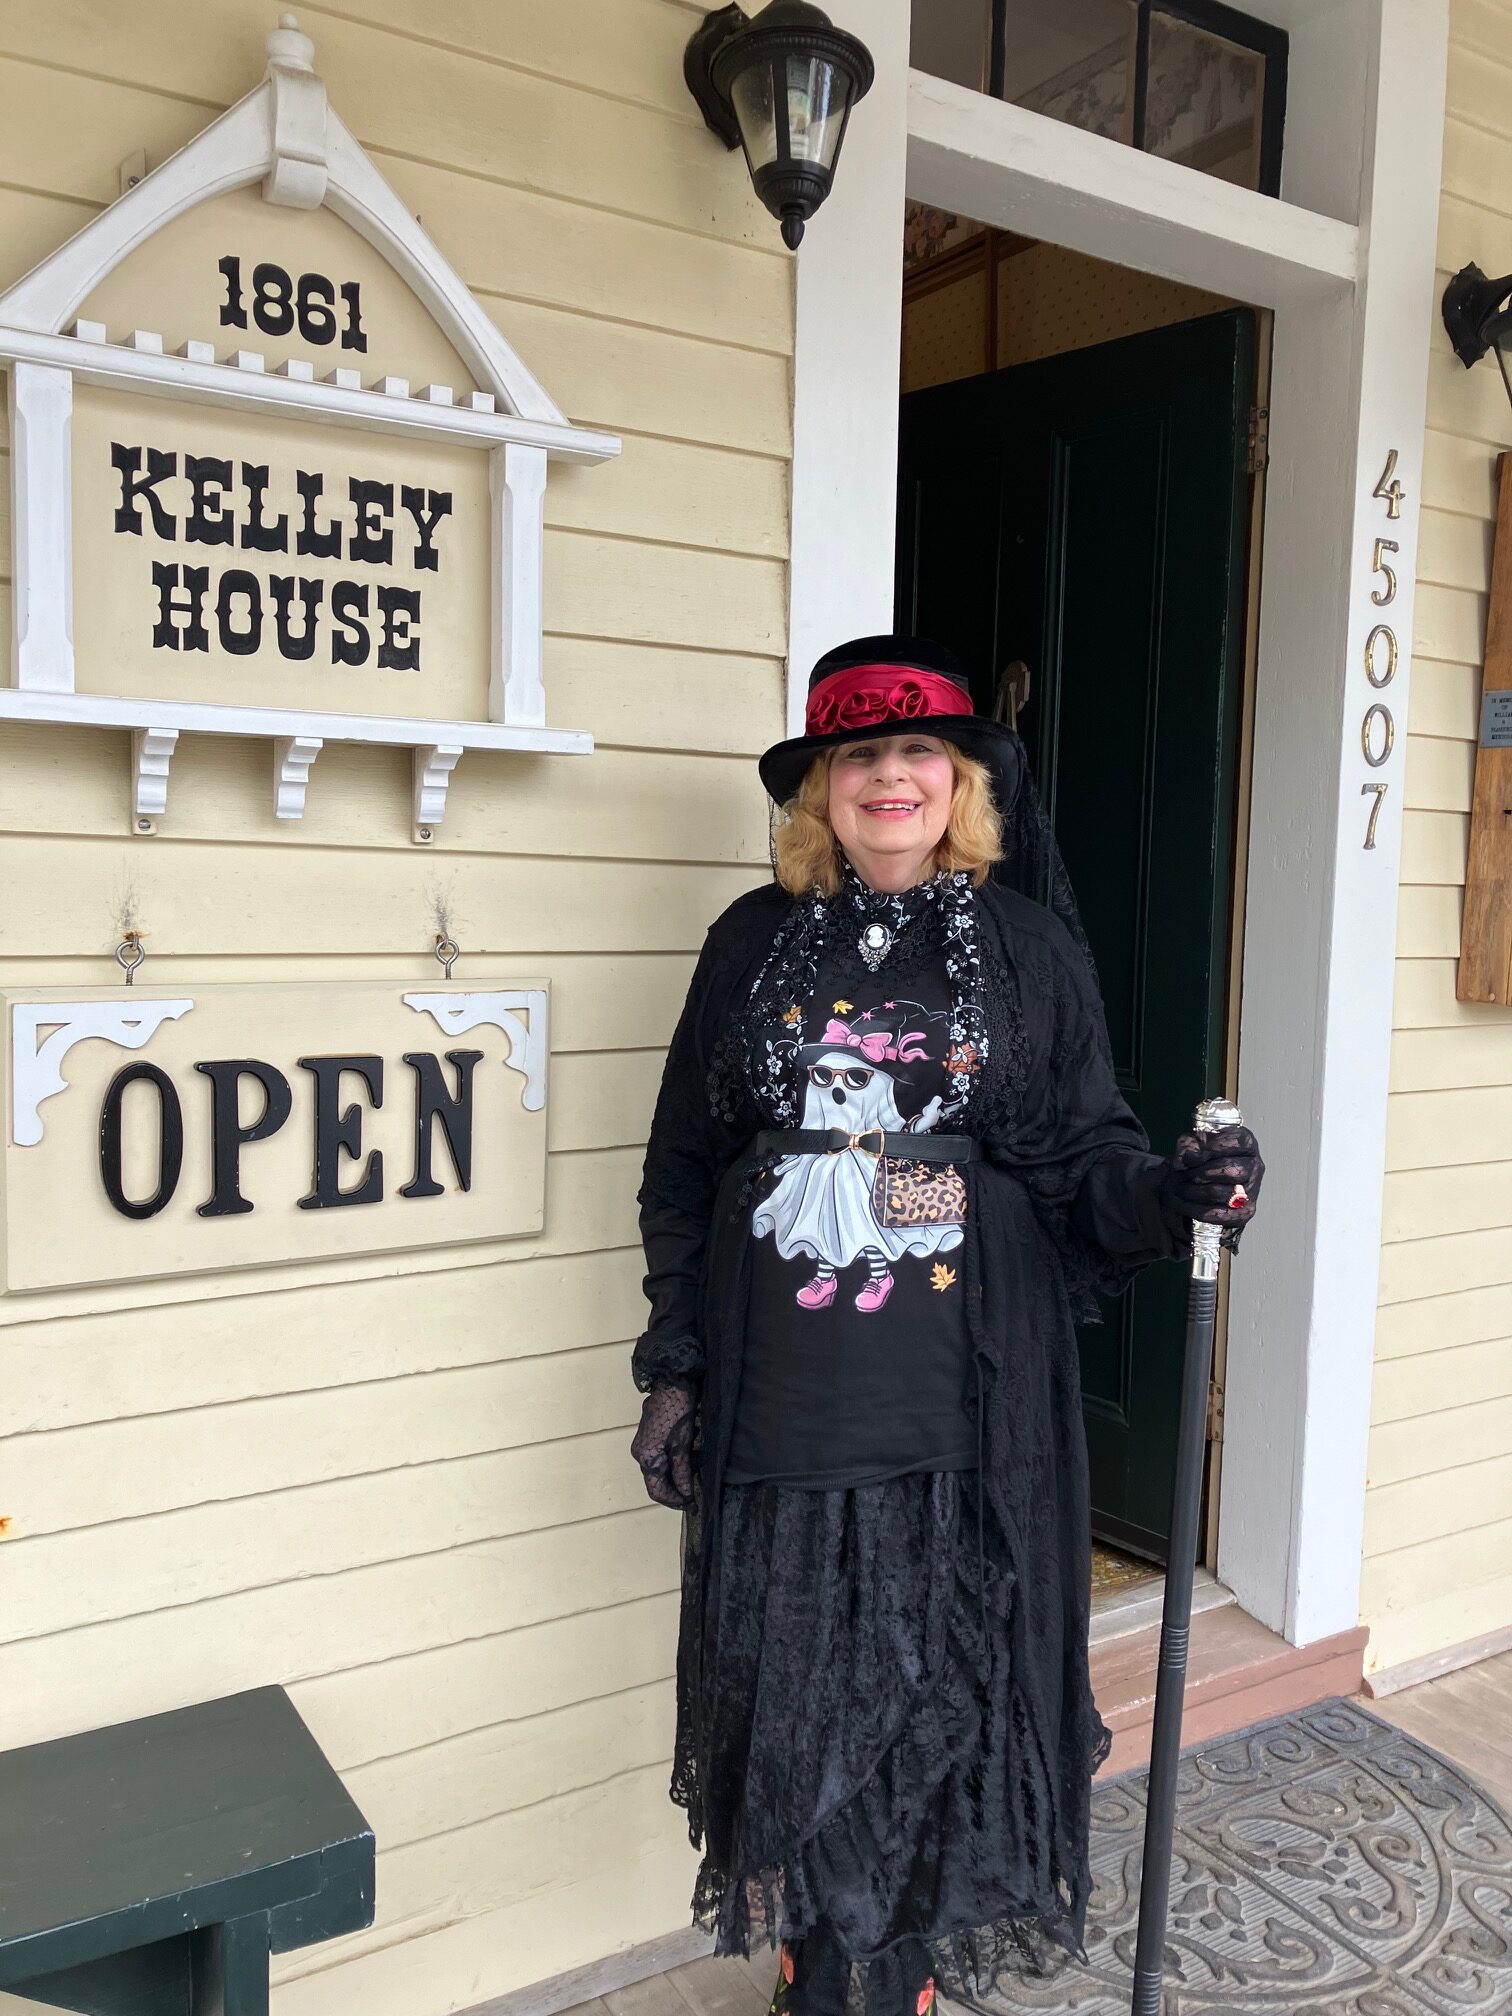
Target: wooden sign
<point x="150" y="1132"/>
<point x="1485" y="961"/>
<point x="297" y="465"/>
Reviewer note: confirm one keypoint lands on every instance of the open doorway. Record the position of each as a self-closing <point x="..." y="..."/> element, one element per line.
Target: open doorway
<point x="1076" y="503"/>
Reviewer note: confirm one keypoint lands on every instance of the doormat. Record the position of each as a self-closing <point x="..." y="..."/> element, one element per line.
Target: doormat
<point x="1324" y="1861"/>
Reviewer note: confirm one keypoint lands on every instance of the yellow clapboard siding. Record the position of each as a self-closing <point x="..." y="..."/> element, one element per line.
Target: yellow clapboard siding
<point x="1413" y="1574"/>
<point x="1428" y="922"/>
<point x="226" y="896"/>
<point x="1440" y="774"/>
<point x="1445" y="700"/>
<point x="1458" y="474"/>
<point x="1454" y="551"/>
<point x="1417" y="1268"/>
<point x="1475" y="163"/>
<point x="627" y="55"/>
<point x="330" y="1622"/>
<point x="1473" y="1315"/>
<point x="661" y="697"/>
<point x="487" y="1772"/>
<point x="518" y="1860"/>
<point x="1471" y="403"/>
<point x="1454" y="1615"/>
<point x="491" y="122"/>
<point x="1475" y="87"/>
<point x="1439" y="1445"/>
<point x="1450" y="623"/>
<point x="408" y="1703"/>
<point x="125" y="1470"/>
<point x="66" y="1371"/>
<point x="1441" y="1376"/>
<point x="1426" y="1203"/>
<point x="648" y="1883"/>
<point x="161" y="1561"/>
<point x="1424" y="999"/>
<point x="655" y="806"/>
<point x="1481" y="24"/>
<point x="652" y="382"/>
<point x="1434" y="846"/>
<point x="1467" y="231"/>
<point x="664" y="594"/>
<point x="680" y="492"/>
<point x="1430" y="1129"/>
<point x="32" y="225"/>
<point x="1426" y="1060"/>
<point x="1424" y="1509"/>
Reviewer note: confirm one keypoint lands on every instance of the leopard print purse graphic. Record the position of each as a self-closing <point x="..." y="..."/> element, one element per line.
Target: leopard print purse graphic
<point x="907" y="1192"/>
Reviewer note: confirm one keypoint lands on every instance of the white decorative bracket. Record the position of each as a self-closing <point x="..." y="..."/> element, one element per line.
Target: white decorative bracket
<point x="151" y="753"/>
<point x="433" y="769"/>
<point x="293" y="759"/>
<point x="297" y="103"/>
<point x="37" y="1065"/>
<point x="455" y="1014"/>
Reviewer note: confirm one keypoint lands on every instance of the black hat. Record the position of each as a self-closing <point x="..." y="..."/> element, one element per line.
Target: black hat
<point x="886" y="682"/>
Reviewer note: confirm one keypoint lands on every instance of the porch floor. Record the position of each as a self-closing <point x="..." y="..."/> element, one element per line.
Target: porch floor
<point x="1466" y="1716"/>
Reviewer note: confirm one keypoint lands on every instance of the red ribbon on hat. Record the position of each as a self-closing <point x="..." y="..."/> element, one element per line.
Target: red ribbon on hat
<point x="862" y="696"/>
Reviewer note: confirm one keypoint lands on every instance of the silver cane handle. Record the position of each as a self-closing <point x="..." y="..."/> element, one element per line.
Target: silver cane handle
<point x="1211" y="1114"/>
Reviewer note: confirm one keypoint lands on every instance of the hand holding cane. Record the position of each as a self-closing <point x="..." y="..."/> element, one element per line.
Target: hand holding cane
<point x="1176" y="1615"/>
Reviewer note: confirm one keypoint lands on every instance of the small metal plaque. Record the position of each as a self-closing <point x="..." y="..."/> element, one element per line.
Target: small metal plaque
<point x="1496" y="720"/>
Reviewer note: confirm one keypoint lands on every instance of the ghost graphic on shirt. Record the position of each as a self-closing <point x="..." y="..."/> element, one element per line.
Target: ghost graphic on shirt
<point x="821" y="1205"/>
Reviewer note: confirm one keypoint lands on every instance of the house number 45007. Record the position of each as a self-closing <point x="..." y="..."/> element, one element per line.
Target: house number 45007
<point x="279" y="303"/>
<point x="1377" y="729"/>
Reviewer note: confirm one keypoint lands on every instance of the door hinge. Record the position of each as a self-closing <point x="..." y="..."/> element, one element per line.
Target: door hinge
<point x="1215" y="1411"/>
<point x="1257" y="455"/>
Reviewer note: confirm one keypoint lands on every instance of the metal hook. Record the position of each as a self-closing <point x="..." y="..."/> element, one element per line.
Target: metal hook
<point x="447" y="951"/>
<point x="129" y="954"/>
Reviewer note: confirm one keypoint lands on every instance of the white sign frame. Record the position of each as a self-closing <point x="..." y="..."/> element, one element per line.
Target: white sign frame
<point x="285" y="135"/>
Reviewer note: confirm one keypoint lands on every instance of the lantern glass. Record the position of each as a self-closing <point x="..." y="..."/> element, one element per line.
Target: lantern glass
<point x="817" y="96"/>
<point x="755" y="104"/>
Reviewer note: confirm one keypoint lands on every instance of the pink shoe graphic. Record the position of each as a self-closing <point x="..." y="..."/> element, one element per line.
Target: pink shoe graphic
<point x="875" y="1293"/>
<point x="818" y="1293"/>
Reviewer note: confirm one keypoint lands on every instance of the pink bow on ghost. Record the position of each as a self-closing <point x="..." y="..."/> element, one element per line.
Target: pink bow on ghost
<point x="875" y="1044"/>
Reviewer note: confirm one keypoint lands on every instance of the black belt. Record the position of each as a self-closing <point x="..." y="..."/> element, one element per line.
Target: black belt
<point x="831" y="1140"/>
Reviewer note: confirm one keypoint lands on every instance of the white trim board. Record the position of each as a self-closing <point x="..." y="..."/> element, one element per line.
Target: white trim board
<point x="1347" y="263"/>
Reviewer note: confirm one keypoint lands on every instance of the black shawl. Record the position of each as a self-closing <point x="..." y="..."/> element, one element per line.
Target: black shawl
<point x="1064" y="1204"/>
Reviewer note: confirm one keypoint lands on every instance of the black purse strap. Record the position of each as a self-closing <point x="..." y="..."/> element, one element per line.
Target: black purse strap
<point x="832" y="1140"/>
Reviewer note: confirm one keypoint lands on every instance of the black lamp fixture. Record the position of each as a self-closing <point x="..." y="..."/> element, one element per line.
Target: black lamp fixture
<point x="781" y="86"/>
<point x="1478" y="316"/>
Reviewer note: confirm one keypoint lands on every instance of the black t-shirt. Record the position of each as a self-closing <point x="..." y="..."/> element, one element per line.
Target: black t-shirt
<point x="857" y="1362"/>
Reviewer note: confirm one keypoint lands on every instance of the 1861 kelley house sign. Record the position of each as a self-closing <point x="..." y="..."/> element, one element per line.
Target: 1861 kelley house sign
<point x="309" y="511"/>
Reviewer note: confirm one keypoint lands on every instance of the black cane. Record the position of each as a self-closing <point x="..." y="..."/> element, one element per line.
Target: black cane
<point x="1176" y="1613"/>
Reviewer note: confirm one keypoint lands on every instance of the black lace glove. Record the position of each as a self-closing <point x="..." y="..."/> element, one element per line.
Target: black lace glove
<point x="1201" y="1176"/>
<point x="663" y="1445"/>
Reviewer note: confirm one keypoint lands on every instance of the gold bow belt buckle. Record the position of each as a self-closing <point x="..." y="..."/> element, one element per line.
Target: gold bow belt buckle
<point x="871" y="1142"/>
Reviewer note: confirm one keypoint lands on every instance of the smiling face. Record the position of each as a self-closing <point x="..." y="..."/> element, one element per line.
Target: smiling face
<point x="889" y="804"/>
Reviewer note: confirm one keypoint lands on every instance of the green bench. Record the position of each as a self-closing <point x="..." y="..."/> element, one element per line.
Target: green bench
<point x="151" y="1868"/>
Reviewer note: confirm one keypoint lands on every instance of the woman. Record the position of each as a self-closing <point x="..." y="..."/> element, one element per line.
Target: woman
<point x="889" y="1169"/>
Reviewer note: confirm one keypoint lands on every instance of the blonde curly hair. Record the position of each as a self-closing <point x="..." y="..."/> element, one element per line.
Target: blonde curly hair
<point x="808" y="854"/>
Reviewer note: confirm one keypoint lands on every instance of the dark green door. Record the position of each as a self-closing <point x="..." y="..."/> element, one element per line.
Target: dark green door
<point x="1089" y="515"/>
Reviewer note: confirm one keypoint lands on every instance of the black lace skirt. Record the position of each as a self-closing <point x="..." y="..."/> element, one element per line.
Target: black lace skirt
<point x="869" y="1760"/>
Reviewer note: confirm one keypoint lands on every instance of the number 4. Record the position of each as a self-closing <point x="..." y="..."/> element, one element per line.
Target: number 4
<point x="1388" y="489"/>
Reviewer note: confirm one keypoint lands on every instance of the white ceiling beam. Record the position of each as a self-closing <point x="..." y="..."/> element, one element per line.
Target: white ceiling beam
<point x="1023" y="172"/>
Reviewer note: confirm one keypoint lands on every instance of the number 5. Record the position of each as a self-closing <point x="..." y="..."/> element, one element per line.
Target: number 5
<point x="1379" y="565"/>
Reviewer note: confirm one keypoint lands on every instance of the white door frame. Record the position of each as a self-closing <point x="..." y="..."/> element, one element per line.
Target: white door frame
<point x="1346" y="260"/>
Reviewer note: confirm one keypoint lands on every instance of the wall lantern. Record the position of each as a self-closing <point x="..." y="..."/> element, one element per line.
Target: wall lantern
<point x="782" y="87"/>
<point x="1478" y="318"/>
